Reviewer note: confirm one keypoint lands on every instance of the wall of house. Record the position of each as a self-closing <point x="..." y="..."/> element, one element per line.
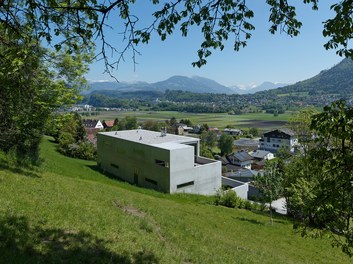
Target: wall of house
<point x="276" y="143"/>
<point x="188" y="177"/>
<point x="134" y="162"/>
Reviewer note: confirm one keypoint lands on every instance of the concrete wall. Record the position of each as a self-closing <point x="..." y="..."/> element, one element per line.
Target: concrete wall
<point x="188" y="177"/>
<point x="239" y="187"/>
<point x="253" y="192"/>
<point x="134" y="162"/>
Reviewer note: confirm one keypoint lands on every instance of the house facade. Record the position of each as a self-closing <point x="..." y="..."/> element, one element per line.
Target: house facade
<point x="277" y="139"/>
<point x="260" y="155"/>
<point x="241" y="159"/>
<point x="232" y="131"/>
<point x="164" y="162"/>
<point x="91" y="123"/>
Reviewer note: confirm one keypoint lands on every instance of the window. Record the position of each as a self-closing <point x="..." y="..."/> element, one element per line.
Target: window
<point x="162" y="163"/>
<point x="151" y="181"/>
<point x="268" y="139"/>
<point x="114" y="165"/>
<point x="185" y="184"/>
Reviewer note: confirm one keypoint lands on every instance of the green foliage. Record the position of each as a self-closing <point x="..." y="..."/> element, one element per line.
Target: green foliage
<point x="32" y="86"/>
<point x="74" y="24"/>
<point x="205" y="151"/>
<point x="208" y="138"/>
<point x="319" y="181"/>
<point x="270" y="184"/>
<point x="254" y="131"/>
<point x="72" y="138"/>
<point x="228" y="198"/>
<point x="152" y="125"/>
<point x="226" y="144"/>
<point x="127" y="123"/>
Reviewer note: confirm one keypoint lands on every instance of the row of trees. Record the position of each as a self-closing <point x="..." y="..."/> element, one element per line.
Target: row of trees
<point x="318" y="182"/>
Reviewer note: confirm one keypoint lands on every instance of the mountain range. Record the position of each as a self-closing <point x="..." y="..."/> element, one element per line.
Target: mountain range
<point x="337" y="80"/>
<point x="195" y="84"/>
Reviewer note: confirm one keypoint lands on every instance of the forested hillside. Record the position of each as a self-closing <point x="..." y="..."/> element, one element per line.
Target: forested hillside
<point x="337" y="80"/>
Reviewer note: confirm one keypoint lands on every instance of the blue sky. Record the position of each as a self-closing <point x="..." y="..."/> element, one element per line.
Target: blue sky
<point x="275" y="58"/>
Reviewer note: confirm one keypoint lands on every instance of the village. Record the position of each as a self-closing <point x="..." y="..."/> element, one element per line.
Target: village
<point x="172" y="163"/>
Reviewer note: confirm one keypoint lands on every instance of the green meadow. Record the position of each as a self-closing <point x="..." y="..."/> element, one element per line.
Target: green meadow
<point x="220" y="120"/>
<point x="67" y="211"/>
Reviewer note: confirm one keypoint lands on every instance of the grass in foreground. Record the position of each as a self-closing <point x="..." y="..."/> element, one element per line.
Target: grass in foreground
<point x="69" y="212"/>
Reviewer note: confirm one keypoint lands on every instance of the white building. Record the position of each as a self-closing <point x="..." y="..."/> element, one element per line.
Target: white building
<point x="165" y="162"/>
<point x="279" y="138"/>
<point x="232" y="131"/>
<point x="262" y="155"/>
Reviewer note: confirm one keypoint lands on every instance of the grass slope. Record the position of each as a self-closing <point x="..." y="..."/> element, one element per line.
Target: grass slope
<point x="68" y="212"/>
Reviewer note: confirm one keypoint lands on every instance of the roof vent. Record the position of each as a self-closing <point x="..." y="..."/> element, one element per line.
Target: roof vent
<point x="140" y="138"/>
<point x="163" y="132"/>
<point x="116" y="132"/>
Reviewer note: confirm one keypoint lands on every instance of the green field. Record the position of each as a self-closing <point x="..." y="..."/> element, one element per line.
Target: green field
<point x="259" y="120"/>
<point x="68" y="212"/>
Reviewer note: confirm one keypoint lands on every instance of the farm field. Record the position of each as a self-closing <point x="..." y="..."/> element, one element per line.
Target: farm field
<point x="67" y="211"/>
<point x="262" y="121"/>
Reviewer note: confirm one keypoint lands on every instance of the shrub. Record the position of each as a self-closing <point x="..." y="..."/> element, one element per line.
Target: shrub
<point x="228" y="199"/>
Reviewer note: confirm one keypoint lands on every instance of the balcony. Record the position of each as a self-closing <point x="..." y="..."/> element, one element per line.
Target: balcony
<point x="203" y="161"/>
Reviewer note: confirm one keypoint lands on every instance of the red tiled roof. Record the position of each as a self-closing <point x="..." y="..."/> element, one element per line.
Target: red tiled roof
<point x="109" y="123"/>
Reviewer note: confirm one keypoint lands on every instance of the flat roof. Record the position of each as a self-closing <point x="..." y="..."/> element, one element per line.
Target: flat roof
<point x="151" y="138"/>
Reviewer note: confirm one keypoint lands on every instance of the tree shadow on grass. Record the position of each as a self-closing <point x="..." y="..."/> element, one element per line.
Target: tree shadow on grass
<point x="22" y="243"/>
<point x="5" y="165"/>
<point x="252" y="221"/>
<point x="277" y="217"/>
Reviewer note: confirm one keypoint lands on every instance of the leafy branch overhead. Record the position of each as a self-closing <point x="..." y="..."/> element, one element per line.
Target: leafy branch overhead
<point x="77" y="23"/>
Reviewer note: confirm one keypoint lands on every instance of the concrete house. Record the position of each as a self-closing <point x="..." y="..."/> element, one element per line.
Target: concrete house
<point x="165" y="162"/>
<point x="279" y="138"/>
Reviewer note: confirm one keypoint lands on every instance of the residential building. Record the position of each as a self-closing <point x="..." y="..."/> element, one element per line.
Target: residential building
<point x="165" y="162"/>
<point x="91" y="123"/>
<point x="260" y="155"/>
<point x="279" y="138"/>
<point x="108" y="124"/>
<point x="232" y="131"/>
<point x="241" y="159"/>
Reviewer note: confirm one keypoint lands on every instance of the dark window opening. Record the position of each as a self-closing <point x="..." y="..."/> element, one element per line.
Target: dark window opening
<point x="114" y="165"/>
<point x="151" y="181"/>
<point x="185" y="184"/>
<point x="162" y="163"/>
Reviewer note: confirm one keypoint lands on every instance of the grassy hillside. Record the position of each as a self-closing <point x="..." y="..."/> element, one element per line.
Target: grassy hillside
<point x="70" y="213"/>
